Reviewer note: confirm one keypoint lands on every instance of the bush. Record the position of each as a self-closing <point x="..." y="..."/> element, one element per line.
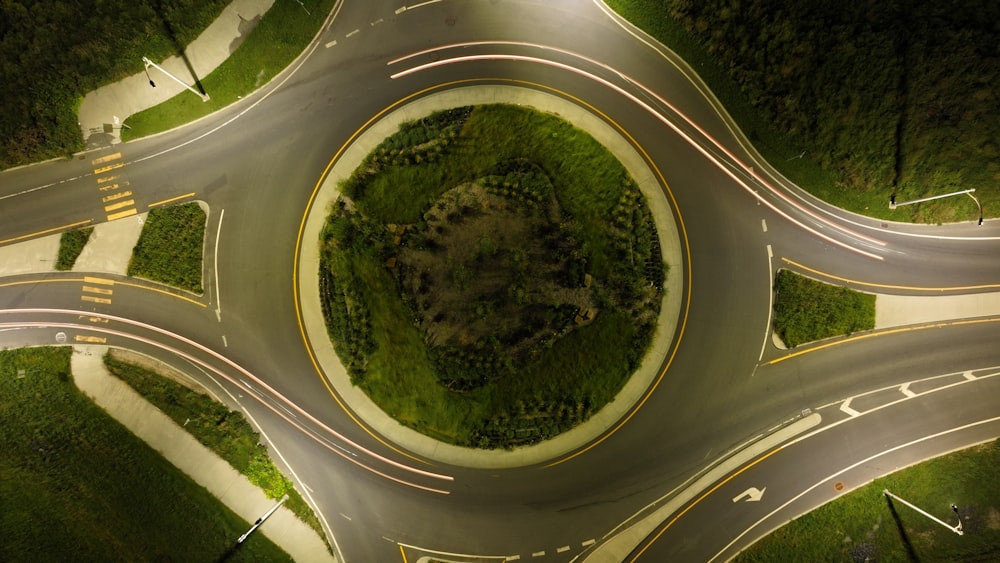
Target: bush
<point x="170" y="247"/>
<point x="71" y="244"/>
<point x="806" y="310"/>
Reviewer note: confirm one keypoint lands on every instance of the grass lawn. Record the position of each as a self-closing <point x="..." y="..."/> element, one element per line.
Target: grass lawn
<point x="71" y="244"/>
<point x="75" y="485"/>
<point x="864" y="526"/>
<point x="282" y="34"/>
<point x="223" y="431"/>
<point x="806" y="310"/>
<point x="171" y="246"/>
<point x="479" y="389"/>
<point x="853" y="103"/>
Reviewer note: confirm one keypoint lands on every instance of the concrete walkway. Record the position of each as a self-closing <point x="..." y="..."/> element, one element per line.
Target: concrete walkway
<point x="103" y="110"/>
<point x="187" y="454"/>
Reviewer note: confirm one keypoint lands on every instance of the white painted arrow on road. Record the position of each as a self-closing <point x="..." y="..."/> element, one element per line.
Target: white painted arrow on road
<point x="753" y="493"/>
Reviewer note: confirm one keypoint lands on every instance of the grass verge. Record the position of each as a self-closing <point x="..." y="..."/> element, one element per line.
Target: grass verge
<point x="282" y="34"/>
<point x="171" y="246"/>
<point x="75" y="485"/>
<point x="806" y="310"/>
<point x="71" y="244"/>
<point x="221" y="430"/>
<point x="864" y="526"/>
<point x="908" y="116"/>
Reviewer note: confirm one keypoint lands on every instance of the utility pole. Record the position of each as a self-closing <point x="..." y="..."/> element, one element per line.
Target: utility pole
<point x="149" y="63"/>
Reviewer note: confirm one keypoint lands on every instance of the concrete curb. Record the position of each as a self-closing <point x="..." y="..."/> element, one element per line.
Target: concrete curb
<point x="637" y="385"/>
<point x="187" y="454"/>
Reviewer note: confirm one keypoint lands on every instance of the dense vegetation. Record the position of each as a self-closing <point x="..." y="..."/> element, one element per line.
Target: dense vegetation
<point x="71" y="244"/>
<point x="490" y="276"/>
<point x="52" y="53"/>
<point x="864" y="526"/>
<point x="75" y="485"/>
<point x="806" y="310"/>
<point x="170" y="247"/>
<point x="280" y="36"/>
<point x="883" y="98"/>
<point x="223" y="431"/>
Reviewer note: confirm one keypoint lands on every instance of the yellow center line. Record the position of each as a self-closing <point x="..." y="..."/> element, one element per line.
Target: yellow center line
<point x="882" y="333"/>
<point x="162" y="202"/>
<point x="890" y="286"/>
<point x="701" y="498"/>
<point x="105" y="282"/>
<point x="46" y="231"/>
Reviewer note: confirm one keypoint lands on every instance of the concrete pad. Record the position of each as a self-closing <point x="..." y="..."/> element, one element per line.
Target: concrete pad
<point x="110" y="246"/>
<point x="187" y="454"/>
<point x="34" y="256"/>
<point x="900" y="310"/>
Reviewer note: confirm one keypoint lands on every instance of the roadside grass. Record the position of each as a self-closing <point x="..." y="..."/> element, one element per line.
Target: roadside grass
<point x="170" y="247"/>
<point x="282" y="34"/>
<point x="223" y="431"/>
<point x="570" y="378"/>
<point x="864" y="525"/>
<point x="71" y="244"/>
<point x="909" y="116"/>
<point x="75" y="485"/>
<point x="806" y="310"/>
<point x="52" y="54"/>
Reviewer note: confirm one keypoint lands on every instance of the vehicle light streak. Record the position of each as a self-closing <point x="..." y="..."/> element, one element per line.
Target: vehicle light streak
<point x="696" y="145"/>
<point x="261" y="384"/>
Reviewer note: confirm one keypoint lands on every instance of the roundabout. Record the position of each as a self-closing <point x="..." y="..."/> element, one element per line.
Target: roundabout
<point x="690" y="426"/>
<point x="654" y="362"/>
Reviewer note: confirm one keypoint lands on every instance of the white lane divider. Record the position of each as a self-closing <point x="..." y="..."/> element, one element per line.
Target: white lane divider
<point x="846" y="407"/>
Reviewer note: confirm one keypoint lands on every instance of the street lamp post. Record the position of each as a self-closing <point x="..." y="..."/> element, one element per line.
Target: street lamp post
<point x="149" y="63"/>
<point x="261" y="519"/>
<point x="957" y="529"/>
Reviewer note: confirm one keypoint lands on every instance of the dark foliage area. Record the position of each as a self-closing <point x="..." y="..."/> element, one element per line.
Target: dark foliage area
<point x="887" y="97"/>
<point x="52" y="53"/>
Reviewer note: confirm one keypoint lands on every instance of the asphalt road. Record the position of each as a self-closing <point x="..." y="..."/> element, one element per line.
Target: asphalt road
<point x="257" y="171"/>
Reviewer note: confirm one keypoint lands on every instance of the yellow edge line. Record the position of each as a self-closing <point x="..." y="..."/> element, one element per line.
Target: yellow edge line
<point x="701" y="498"/>
<point x="78" y="280"/>
<point x="165" y="201"/>
<point x="46" y="231"/>
<point x="402" y="554"/>
<point x="885" y="332"/>
<point x="326" y="171"/>
<point x="889" y="286"/>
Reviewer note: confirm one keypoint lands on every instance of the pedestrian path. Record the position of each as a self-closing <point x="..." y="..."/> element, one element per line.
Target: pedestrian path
<point x="102" y="111"/>
<point x="187" y="454"/>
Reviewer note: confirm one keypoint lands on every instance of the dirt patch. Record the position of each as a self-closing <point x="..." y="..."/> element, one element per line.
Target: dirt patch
<point x="481" y="266"/>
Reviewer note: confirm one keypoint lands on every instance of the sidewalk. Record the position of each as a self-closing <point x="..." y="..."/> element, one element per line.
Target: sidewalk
<point x="187" y="454"/>
<point x="103" y="110"/>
